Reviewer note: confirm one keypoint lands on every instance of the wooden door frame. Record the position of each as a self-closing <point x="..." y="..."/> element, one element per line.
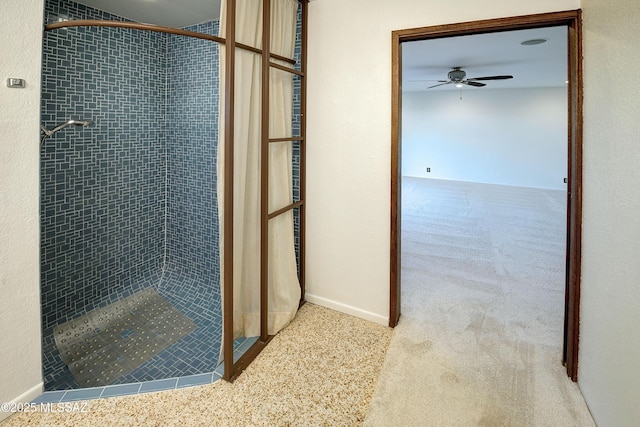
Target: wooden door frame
<point x="573" y="20"/>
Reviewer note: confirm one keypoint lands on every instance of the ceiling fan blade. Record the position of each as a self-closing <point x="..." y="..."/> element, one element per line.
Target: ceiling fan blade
<point x="428" y="80"/>
<point x="476" y="84"/>
<point x="492" y="78"/>
<point x="441" y="84"/>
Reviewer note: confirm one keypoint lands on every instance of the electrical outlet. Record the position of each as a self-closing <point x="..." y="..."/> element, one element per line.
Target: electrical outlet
<point x="428" y="169"/>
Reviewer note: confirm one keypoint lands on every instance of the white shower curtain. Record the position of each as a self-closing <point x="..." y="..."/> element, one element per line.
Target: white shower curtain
<point x="284" y="288"/>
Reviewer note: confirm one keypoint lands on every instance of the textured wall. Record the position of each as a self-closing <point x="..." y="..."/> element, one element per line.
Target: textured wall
<point x="609" y="373"/>
<point x="20" y="50"/>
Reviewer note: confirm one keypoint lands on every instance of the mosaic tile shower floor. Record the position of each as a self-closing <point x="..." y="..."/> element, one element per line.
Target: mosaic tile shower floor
<point x="112" y="341"/>
<point x="194" y="354"/>
<point x="240" y="346"/>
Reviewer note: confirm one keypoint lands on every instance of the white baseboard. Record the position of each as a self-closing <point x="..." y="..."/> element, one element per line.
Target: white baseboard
<point x="347" y="309"/>
<point x="25" y="397"/>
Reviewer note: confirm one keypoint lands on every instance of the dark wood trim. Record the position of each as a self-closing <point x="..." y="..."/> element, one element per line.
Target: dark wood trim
<point x="282" y="58"/>
<point x="287" y="139"/>
<point x="259" y="52"/>
<point x="229" y="135"/>
<point x="396" y="179"/>
<point x="264" y="173"/>
<point x="573" y="20"/>
<point x="285" y="69"/>
<point x="488" y="26"/>
<point x="245" y="360"/>
<point x="574" y="206"/>
<point x="286" y="209"/>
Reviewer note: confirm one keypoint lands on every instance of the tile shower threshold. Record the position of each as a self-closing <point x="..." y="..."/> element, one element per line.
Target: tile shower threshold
<point x="59" y="396"/>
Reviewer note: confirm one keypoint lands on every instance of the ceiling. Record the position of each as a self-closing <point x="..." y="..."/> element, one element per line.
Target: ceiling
<point x="169" y="13"/>
<point x="542" y="65"/>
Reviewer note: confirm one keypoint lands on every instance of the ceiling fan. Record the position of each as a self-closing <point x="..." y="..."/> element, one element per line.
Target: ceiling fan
<point x="458" y="76"/>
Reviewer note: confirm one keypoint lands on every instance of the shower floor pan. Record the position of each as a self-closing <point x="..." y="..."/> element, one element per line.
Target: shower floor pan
<point x="112" y="341"/>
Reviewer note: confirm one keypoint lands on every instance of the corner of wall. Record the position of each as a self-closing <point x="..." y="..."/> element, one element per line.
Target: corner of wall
<point x="347" y="309"/>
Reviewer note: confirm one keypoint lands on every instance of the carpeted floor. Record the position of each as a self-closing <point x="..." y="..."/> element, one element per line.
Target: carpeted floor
<point x="319" y="371"/>
<point x="479" y="342"/>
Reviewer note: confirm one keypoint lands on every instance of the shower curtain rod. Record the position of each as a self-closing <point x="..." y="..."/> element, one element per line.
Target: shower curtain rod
<point x="158" y="29"/>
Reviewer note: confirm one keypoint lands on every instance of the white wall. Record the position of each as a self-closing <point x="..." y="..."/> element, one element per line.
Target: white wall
<point x="496" y="136"/>
<point x="349" y="128"/>
<point x="609" y="369"/>
<point x="20" y="50"/>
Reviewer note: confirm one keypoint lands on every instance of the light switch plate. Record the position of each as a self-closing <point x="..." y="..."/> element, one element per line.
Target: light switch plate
<point x="15" y="83"/>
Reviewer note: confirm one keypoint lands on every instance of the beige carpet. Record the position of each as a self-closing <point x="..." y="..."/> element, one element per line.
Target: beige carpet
<point x="319" y="371"/>
<point x="480" y="338"/>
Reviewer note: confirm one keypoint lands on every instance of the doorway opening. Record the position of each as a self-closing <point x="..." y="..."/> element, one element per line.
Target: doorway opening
<point x="572" y="21"/>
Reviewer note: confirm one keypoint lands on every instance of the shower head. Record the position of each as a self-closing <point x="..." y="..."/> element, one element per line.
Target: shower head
<point x="70" y="122"/>
<point x="79" y="122"/>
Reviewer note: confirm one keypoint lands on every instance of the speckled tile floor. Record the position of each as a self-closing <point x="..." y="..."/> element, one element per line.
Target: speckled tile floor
<point x="319" y="371"/>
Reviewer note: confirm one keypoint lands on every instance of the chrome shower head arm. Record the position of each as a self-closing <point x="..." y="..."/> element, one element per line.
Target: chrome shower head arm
<point x="62" y="126"/>
<point x="69" y="122"/>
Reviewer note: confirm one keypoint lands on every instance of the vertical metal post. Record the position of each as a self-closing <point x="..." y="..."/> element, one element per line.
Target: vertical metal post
<point x="229" y="123"/>
<point x="264" y="173"/>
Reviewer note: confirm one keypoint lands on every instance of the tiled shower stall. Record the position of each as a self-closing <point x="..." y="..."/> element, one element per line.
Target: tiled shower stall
<point x="130" y="202"/>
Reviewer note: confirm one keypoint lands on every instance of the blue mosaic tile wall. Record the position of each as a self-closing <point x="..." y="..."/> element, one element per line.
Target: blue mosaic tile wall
<point x="191" y="279"/>
<point x="130" y="202"/>
<point x="101" y="211"/>
<point x="192" y="129"/>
